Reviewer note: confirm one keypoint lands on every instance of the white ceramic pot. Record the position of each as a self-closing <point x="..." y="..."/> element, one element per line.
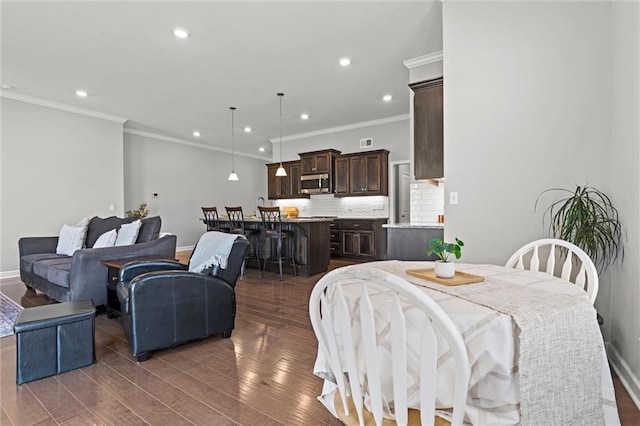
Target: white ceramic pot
<point x="445" y="269"/>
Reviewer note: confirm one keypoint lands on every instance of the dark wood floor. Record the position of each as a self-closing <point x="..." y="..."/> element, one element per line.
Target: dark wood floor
<point x="260" y="376"/>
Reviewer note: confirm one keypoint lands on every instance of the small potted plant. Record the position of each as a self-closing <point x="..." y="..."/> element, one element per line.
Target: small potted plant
<point x="445" y="268"/>
<point x="139" y="213"/>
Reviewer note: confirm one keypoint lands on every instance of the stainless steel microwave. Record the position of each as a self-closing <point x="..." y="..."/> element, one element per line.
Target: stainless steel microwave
<point x="315" y="184"/>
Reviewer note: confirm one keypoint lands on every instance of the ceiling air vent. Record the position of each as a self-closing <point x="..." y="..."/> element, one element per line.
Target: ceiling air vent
<point x="366" y="143"/>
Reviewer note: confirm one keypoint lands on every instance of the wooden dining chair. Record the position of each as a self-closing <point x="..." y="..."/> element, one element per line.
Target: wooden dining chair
<point x="347" y="328"/>
<point x="563" y="260"/>
<point x="211" y="218"/>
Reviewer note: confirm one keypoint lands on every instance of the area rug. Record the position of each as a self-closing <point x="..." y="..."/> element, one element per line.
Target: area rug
<point x="9" y="311"/>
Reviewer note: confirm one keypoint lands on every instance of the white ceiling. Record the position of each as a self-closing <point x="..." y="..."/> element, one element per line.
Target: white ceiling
<point x="238" y="54"/>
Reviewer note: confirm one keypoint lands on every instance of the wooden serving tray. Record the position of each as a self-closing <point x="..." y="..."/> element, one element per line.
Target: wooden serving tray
<point x="458" y="279"/>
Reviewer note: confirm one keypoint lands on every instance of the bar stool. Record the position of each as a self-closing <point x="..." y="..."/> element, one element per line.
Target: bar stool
<point x="211" y="218"/>
<point x="272" y="230"/>
<point x="236" y="222"/>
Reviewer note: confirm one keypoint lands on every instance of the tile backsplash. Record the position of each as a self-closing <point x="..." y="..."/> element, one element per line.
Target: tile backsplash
<point x="427" y="202"/>
<point x="328" y="205"/>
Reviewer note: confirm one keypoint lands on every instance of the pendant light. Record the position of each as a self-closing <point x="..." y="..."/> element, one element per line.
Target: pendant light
<point x="281" y="171"/>
<point x="233" y="175"/>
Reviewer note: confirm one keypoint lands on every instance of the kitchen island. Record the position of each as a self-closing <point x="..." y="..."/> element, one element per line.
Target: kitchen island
<point x="311" y="237"/>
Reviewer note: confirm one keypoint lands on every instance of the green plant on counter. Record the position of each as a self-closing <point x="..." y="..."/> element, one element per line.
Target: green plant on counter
<point x="441" y="249"/>
<point x="139" y="213"/>
<point x="587" y="218"/>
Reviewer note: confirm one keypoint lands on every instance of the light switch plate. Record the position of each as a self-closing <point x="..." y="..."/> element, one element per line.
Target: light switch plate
<point x="453" y="198"/>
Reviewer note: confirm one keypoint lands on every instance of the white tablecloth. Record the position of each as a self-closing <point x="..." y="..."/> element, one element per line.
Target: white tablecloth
<point x="491" y="339"/>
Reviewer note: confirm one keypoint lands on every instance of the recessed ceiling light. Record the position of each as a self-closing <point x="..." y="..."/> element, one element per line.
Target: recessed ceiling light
<point x="196" y="134"/>
<point x="387" y="98"/>
<point x="261" y="149"/>
<point x="6" y="87"/>
<point x="81" y="93"/>
<point x="345" y="62"/>
<point x="247" y="129"/>
<point x="304" y="116"/>
<point x="180" y="33"/>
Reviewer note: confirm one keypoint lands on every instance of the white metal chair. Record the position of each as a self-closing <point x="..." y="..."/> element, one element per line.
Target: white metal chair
<point x="583" y="275"/>
<point x="332" y="316"/>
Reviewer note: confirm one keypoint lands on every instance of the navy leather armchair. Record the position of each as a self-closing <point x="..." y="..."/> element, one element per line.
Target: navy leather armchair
<point x="162" y="304"/>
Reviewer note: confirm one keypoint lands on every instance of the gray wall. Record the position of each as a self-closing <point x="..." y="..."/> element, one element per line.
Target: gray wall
<point x="526" y="109"/>
<point x="393" y="137"/>
<point x="619" y="296"/>
<point x="541" y="95"/>
<point x="57" y="167"/>
<point x="187" y="178"/>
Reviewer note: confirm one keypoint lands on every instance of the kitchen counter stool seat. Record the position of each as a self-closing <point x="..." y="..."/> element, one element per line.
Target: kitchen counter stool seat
<point x="211" y="219"/>
<point x="272" y="231"/>
<point x="237" y="226"/>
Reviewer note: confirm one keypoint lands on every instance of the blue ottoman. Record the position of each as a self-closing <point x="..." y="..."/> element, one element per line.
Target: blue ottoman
<point x="53" y="339"/>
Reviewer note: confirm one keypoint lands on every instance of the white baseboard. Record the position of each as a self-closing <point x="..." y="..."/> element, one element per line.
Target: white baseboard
<point x="185" y="248"/>
<point x="628" y="379"/>
<point x="9" y="274"/>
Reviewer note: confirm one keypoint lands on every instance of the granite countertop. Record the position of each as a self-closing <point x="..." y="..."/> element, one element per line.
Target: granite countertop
<point x="303" y="219"/>
<point x="432" y="225"/>
<point x="284" y="219"/>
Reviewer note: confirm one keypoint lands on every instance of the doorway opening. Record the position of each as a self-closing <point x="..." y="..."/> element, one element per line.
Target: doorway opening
<point x="402" y="193"/>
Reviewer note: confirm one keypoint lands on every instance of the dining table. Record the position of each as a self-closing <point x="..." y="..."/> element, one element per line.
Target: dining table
<point x="535" y="350"/>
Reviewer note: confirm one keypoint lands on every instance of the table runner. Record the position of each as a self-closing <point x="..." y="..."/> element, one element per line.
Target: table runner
<point x="559" y="368"/>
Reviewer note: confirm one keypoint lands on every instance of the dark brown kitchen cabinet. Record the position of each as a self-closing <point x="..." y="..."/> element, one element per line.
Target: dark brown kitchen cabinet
<point x="428" y="129"/>
<point x="342" y="176"/>
<point x="359" y="239"/>
<point x="288" y="186"/>
<point x="367" y="174"/>
<point x="335" y="238"/>
<point x="358" y="243"/>
<point x="318" y="162"/>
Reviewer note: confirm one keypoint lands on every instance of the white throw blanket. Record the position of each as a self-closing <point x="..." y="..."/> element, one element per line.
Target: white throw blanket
<point x="213" y="249"/>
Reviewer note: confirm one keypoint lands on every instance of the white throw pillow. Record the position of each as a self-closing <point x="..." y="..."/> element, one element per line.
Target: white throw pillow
<point x="71" y="238"/>
<point x="108" y="239"/>
<point x="128" y="233"/>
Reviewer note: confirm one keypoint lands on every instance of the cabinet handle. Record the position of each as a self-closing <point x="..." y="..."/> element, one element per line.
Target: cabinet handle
<point x="356" y="225"/>
<point x="114" y="278"/>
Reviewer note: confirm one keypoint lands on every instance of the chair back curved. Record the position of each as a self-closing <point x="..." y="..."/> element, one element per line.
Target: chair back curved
<point x="234" y="262"/>
<point x="561" y="259"/>
<point x="271" y="220"/>
<point x="236" y="219"/>
<point x="211" y="218"/>
<point x="347" y="326"/>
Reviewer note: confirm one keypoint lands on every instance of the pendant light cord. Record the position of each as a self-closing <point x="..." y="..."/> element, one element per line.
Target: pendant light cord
<point x="281" y="95"/>
<point x="233" y="140"/>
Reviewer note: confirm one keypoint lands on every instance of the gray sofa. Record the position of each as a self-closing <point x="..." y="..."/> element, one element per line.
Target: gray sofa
<point x="83" y="276"/>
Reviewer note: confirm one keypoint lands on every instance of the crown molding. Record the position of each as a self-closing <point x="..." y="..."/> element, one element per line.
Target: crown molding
<point x="189" y="143"/>
<point x="423" y="60"/>
<point x="62" y="107"/>
<point x="344" y="128"/>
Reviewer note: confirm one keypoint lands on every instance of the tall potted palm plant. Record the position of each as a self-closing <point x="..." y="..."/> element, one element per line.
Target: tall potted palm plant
<point x="587" y="218"/>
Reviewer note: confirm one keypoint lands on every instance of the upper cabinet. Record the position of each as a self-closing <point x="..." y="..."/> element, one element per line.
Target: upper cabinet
<point x="318" y="162"/>
<point x="342" y="176"/>
<point x="284" y="186"/>
<point x="364" y="173"/>
<point x="428" y="129"/>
